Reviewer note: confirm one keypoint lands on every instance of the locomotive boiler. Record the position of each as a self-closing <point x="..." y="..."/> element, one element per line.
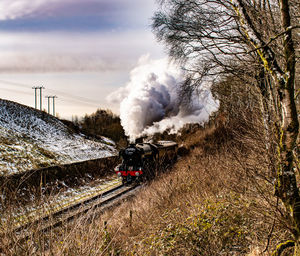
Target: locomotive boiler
<point x="141" y="160"/>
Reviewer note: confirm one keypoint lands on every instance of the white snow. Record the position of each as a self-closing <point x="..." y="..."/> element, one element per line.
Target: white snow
<point x="31" y="139"/>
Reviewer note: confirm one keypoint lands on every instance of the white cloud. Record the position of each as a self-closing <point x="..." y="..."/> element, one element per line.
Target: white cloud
<point x="12" y="9"/>
<point x="74" y="51"/>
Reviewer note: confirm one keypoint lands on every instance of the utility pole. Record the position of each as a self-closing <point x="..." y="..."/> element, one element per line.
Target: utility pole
<point x="35" y="98"/>
<point x="41" y="96"/>
<point x="35" y="88"/>
<point x="53" y="97"/>
<point x="48" y="97"/>
<point x="53" y="101"/>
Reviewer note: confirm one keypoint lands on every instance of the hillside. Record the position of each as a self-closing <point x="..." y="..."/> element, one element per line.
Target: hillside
<point x="30" y="139"/>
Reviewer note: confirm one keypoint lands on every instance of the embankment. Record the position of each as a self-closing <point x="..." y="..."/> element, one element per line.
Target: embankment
<point x="55" y="177"/>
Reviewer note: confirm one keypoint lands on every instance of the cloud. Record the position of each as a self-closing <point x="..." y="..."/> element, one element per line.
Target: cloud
<point x="108" y="11"/>
<point x="13" y="9"/>
<point x="74" y="51"/>
<point x="74" y="35"/>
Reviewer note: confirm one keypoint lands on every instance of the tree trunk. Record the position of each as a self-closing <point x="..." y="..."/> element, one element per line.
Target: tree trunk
<point x="287" y="185"/>
<point x="288" y="125"/>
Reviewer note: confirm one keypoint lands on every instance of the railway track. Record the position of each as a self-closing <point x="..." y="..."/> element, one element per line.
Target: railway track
<point x="64" y="215"/>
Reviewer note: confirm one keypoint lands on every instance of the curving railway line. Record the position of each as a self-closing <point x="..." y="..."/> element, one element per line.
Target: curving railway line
<point x="139" y="160"/>
<point x="43" y="221"/>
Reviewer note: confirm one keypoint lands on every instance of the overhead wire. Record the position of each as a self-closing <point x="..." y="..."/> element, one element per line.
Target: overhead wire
<point x="69" y="97"/>
<point x="14" y="91"/>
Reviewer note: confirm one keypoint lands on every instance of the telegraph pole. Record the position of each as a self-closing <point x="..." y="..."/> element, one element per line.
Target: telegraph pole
<point x="53" y="101"/>
<point x="35" y="98"/>
<point x="35" y="88"/>
<point x="41" y="96"/>
<point x="48" y="97"/>
<point x="53" y="97"/>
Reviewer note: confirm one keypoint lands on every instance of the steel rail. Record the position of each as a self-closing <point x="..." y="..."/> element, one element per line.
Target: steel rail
<point x="66" y="215"/>
<point x="63" y="216"/>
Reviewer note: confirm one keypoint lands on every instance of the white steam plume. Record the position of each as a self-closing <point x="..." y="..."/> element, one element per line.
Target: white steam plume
<point x="150" y="103"/>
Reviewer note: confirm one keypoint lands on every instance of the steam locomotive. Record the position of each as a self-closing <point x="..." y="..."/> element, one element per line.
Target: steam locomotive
<point x="140" y="161"/>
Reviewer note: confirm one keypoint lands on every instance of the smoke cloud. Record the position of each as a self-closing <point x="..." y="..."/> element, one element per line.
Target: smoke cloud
<point x="150" y="102"/>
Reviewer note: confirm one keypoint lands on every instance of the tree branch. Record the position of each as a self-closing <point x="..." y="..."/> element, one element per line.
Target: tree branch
<point x="274" y="38"/>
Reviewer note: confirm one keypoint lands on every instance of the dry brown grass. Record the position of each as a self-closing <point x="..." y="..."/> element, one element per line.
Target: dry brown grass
<point x="218" y="200"/>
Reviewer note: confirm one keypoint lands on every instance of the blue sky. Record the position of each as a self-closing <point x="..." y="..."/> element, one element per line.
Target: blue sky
<point x="79" y="50"/>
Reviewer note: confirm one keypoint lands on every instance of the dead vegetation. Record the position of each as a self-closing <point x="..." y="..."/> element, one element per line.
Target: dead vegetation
<point x="217" y="200"/>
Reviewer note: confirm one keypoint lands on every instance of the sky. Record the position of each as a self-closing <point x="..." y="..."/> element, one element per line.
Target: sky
<point x="78" y="50"/>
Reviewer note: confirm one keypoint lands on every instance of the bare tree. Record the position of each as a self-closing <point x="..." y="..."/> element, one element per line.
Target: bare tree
<point x="254" y="40"/>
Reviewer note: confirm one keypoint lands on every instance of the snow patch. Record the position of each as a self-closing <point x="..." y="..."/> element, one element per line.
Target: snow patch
<point x="32" y="139"/>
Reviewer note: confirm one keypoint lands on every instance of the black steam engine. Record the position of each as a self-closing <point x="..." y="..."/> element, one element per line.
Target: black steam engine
<point x="140" y="161"/>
